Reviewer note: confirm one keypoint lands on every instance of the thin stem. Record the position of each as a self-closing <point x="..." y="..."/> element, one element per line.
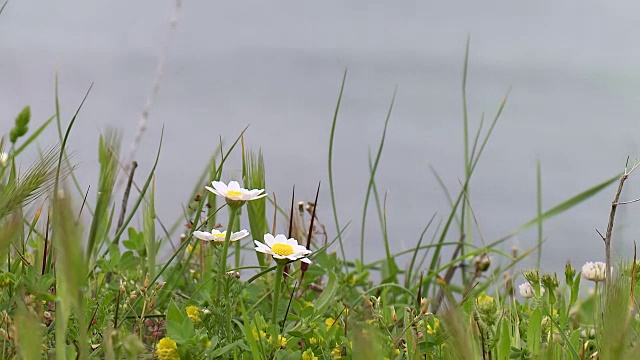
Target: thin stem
<point x="612" y="215"/>
<point x="595" y="294"/>
<point x="233" y="210"/>
<point x="276" y="296"/>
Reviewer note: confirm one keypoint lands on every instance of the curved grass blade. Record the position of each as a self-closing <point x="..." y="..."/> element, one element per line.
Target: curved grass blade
<point x="331" y="189"/>
<point x="372" y="175"/>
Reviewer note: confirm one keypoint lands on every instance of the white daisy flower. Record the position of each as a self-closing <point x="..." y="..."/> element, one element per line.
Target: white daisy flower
<point x="219" y="236"/>
<point x="233" y="191"/>
<point x="282" y="248"/>
<point x="594" y="271"/>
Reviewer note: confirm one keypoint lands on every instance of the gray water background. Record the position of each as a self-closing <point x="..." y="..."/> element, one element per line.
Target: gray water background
<point x="572" y="67"/>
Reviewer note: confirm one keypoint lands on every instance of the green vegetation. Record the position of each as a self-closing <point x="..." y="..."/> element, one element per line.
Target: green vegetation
<point x="80" y="280"/>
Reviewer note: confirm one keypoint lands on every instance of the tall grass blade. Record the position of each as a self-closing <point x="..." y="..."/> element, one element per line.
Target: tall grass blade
<point x="108" y="152"/>
<point x="65" y="138"/>
<point x="71" y="273"/>
<point x="30" y="333"/>
<point x="372" y="174"/>
<point x="616" y="321"/>
<point x="461" y="344"/>
<point x="149" y="221"/>
<point x="330" y="160"/>
<point x="143" y="191"/>
<point x="409" y="275"/>
<point x="569" y="203"/>
<point x="254" y="178"/>
<point x="539" y="211"/>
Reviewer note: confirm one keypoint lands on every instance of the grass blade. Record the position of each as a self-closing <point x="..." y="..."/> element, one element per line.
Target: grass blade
<point x="331" y="189"/>
<point x="372" y="175"/>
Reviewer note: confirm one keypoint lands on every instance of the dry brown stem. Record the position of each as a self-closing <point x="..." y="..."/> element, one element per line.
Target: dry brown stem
<point x="612" y="214"/>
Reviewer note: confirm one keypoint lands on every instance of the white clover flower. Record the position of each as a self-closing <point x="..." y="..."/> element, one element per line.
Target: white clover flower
<point x="233" y="191"/>
<point x="282" y="248"/>
<point x="219" y="236"/>
<point x="4" y="159"/>
<point x="594" y="271"/>
<point x="527" y="291"/>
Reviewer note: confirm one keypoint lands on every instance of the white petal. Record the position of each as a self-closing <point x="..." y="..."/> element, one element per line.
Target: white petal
<point x="264" y="251"/>
<point x="301" y="255"/>
<point x="203" y="235"/>
<point x="213" y="191"/>
<point x="298" y="249"/>
<point x="293" y="242"/>
<point x="261" y="247"/>
<point x="234" y="185"/>
<point x="305" y="260"/>
<point x="239" y="235"/>
<point x="247" y="197"/>
<point x="219" y="186"/>
<point x="281" y="239"/>
<point x="253" y="194"/>
<point x="269" y="240"/>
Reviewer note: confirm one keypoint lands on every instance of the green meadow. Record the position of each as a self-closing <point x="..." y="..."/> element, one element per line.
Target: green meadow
<point x="101" y="276"/>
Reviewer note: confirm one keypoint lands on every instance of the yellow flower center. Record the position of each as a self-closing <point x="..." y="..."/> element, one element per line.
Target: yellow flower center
<point x="234" y="193"/>
<point x="222" y="235"/>
<point x="282" y="249"/>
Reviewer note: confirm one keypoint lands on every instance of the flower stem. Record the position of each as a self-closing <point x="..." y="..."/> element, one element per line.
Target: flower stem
<point x="595" y="294"/>
<point x="233" y="210"/>
<point x="276" y="297"/>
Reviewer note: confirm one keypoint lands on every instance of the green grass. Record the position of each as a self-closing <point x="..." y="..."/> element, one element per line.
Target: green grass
<point x="77" y="283"/>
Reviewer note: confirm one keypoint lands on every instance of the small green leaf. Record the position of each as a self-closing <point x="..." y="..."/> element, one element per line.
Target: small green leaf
<point x="225" y="349"/>
<point x="504" y="341"/>
<point x="533" y="332"/>
<point x="328" y="294"/>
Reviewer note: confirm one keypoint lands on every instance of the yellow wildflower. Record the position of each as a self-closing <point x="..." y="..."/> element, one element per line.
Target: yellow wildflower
<point x="351" y="279"/>
<point x="487" y="309"/>
<point x="193" y="313"/>
<point x="258" y="334"/>
<point x="314" y="341"/>
<point x="167" y="349"/>
<point x="309" y="355"/>
<point x="336" y="353"/>
<point x="306" y="303"/>
<point x="331" y="322"/>
<point x="484" y="300"/>
<point x="281" y="342"/>
<point x="432" y="330"/>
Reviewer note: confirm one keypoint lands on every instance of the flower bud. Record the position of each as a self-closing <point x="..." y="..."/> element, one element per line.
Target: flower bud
<point x="482" y="263"/>
<point x="4" y="159"/>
